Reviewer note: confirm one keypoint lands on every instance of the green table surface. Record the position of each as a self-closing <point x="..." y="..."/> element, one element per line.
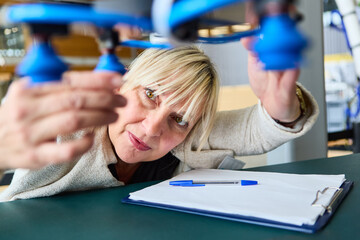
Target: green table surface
<point x="99" y="214"/>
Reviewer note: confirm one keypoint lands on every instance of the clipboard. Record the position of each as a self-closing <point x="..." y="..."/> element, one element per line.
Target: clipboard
<point x="330" y="210"/>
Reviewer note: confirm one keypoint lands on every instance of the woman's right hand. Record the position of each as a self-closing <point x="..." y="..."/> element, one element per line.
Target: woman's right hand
<point x="32" y="117"/>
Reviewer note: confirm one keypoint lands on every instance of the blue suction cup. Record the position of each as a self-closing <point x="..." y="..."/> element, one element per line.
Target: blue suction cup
<point x="41" y="64"/>
<point x="110" y="62"/>
<point x="281" y="44"/>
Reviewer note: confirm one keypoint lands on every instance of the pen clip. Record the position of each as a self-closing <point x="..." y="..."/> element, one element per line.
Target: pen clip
<point x="186" y="183"/>
<point x="248" y="182"/>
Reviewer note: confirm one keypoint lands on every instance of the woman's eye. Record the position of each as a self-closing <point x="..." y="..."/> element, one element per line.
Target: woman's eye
<point x="179" y="120"/>
<point x="150" y="94"/>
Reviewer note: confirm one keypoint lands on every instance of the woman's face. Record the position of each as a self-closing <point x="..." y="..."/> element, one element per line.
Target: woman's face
<point x="147" y="129"/>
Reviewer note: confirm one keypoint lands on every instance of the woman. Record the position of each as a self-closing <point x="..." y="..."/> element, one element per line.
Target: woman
<point x="166" y="126"/>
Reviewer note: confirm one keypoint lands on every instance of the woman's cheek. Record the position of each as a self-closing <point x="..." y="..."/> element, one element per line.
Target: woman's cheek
<point x="173" y="141"/>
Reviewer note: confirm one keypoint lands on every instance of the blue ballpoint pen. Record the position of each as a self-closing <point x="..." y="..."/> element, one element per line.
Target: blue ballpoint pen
<point x="192" y="183"/>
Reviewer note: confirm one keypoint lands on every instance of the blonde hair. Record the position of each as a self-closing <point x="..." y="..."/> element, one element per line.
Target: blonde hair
<point x="188" y="74"/>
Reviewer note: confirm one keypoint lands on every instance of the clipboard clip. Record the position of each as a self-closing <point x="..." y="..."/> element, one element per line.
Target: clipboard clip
<point x="333" y="200"/>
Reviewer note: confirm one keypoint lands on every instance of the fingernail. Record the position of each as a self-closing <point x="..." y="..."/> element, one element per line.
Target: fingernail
<point x="114" y="117"/>
<point x="121" y="100"/>
<point x="117" y="81"/>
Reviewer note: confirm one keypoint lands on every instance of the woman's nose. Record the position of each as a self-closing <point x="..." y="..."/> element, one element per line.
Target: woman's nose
<point x="154" y="124"/>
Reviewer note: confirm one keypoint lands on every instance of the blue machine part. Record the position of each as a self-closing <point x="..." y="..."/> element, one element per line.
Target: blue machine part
<point x="181" y="12"/>
<point x="186" y="10"/>
<point x="353" y="115"/>
<point x="110" y="62"/>
<point x="66" y="14"/>
<point x="41" y="64"/>
<point x="342" y="28"/>
<point x="280" y="45"/>
<point x="349" y="114"/>
<point x="144" y="44"/>
<point x="167" y="17"/>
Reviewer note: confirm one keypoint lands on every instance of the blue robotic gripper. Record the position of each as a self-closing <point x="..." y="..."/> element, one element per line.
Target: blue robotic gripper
<point x="280" y="44"/>
<point x="110" y="62"/>
<point x="41" y="64"/>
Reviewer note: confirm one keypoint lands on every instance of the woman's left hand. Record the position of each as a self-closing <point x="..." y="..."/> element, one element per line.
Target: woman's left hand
<point x="275" y="89"/>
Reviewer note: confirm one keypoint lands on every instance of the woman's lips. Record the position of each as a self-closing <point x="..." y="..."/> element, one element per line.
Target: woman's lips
<point x="138" y="144"/>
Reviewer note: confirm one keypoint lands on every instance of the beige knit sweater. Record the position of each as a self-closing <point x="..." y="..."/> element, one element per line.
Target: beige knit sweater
<point x="241" y="132"/>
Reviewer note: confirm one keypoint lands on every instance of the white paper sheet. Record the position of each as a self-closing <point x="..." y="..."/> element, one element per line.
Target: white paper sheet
<point x="279" y="197"/>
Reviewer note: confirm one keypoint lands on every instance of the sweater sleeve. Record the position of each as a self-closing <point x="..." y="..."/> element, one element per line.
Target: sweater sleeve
<point x="88" y="171"/>
<point x="244" y="132"/>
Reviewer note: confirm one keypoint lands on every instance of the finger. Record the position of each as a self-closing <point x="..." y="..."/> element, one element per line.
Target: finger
<point x="18" y="88"/>
<point x="68" y="122"/>
<point x="21" y="88"/>
<point x="289" y="78"/>
<point x="250" y="14"/>
<point x="74" y="100"/>
<point x="21" y="101"/>
<point x="255" y="65"/>
<point x="93" y="80"/>
<point x="248" y="42"/>
<point x="276" y="76"/>
<point x="53" y="153"/>
<point x="127" y="32"/>
<point x="277" y="81"/>
<point x="87" y="80"/>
